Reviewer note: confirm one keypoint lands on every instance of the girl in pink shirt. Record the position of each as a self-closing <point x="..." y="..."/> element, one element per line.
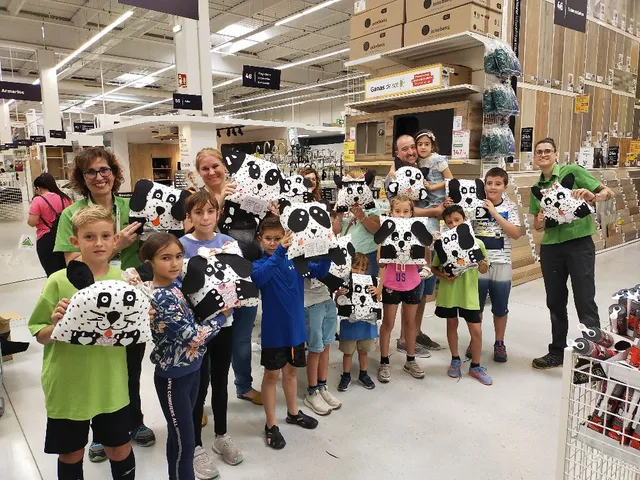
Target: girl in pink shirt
<point x="400" y="284"/>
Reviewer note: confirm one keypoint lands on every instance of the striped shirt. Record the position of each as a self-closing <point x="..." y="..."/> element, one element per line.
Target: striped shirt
<point x="489" y="231"/>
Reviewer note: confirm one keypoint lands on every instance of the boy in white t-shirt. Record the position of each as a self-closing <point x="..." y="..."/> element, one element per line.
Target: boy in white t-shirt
<point x="496" y="234"/>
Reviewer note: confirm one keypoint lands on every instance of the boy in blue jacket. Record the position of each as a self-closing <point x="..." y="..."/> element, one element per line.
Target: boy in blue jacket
<point x="283" y="325"/>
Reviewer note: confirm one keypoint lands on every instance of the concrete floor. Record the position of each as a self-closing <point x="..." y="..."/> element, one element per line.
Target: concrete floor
<point x="431" y="428"/>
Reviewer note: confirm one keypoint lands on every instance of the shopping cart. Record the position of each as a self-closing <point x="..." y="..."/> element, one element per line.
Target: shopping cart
<point x="1" y="384"/>
<point x="594" y="442"/>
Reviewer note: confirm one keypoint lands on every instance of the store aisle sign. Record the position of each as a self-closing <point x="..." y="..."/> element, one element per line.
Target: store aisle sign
<point x="25" y="143"/>
<point x="582" y="104"/>
<point x="526" y="139"/>
<point x="38" y="139"/>
<point x="424" y="78"/>
<point x="182" y="8"/>
<point x="261" y="77"/>
<point x="20" y="91"/>
<point x="460" y="144"/>
<point x="349" y="151"/>
<point x="58" y="134"/>
<point x="571" y="14"/>
<point x="613" y="156"/>
<point x="82" y="127"/>
<point x="182" y="101"/>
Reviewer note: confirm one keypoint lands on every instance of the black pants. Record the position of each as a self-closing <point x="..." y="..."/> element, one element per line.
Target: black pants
<point x="135" y="354"/>
<point x="51" y="262"/>
<point x="177" y="398"/>
<point x="575" y="259"/>
<point x="215" y="366"/>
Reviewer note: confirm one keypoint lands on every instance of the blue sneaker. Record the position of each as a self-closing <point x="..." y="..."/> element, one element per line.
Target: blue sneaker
<point x="480" y="374"/>
<point x="97" y="453"/>
<point x="345" y="381"/>
<point x="143" y="436"/>
<point x="454" y="368"/>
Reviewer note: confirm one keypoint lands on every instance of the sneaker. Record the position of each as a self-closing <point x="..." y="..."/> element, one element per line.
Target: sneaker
<point x="97" y="453"/>
<point x="420" y="351"/>
<point x="384" y="374"/>
<point x="274" y="438"/>
<point x="480" y="374"/>
<point x="366" y="382"/>
<point x="499" y="352"/>
<point x="203" y="466"/>
<point x="143" y="436"/>
<point x="468" y="354"/>
<point x="224" y="446"/>
<point x="550" y="360"/>
<point x="330" y="400"/>
<point x="424" y="340"/>
<point x="302" y="420"/>
<point x="454" y="368"/>
<point x="413" y="369"/>
<point x="345" y="381"/>
<point x="316" y="403"/>
<point x="401" y="347"/>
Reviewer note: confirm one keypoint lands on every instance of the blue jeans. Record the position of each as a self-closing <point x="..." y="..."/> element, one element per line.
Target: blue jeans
<point x="373" y="263"/>
<point x="243" y="320"/>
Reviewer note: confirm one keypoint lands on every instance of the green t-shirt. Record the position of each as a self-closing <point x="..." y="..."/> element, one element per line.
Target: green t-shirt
<point x="79" y="382"/>
<point x="463" y="292"/>
<point x="129" y="256"/>
<point x="581" y="227"/>
<point x="361" y="238"/>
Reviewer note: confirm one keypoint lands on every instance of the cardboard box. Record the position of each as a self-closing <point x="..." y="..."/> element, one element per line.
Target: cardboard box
<point x="417" y="9"/>
<point x="470" y="17"/>
<point x="613" y="241"/>
<point x="378" y="19"/>
<point x="494" y="24"/>
<point x="361" y="6"/>
<point x="375" y="43"/>
<point x="495" y="5"/>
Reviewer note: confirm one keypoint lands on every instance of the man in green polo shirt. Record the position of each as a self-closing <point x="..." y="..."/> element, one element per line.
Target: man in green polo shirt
<point x="566" y="250"/>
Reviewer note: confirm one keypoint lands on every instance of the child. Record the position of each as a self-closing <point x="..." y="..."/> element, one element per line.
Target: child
<point x="202" y="213"/>
<point x="84" y="386"/>
<point x="357" y="335"/>
<point x="283" y="328"/>
<point x="458" y="296"/>
<point x="496" y="233"/>
<point x="399" y="284"/>
<point x="179" y="348"/>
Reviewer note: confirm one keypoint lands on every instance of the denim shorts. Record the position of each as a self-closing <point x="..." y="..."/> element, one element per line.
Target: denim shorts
<point x="428" y="285"/>
<point x="321" y="321"/>
<point x="497" y="284"/>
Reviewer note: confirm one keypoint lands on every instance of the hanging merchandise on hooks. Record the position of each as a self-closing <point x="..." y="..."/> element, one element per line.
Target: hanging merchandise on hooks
<point x="499" y="60"/>
<point x="499" y="99"/>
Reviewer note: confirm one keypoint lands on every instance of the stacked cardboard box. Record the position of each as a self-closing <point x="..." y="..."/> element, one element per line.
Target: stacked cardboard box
<point x="376" y="29"/>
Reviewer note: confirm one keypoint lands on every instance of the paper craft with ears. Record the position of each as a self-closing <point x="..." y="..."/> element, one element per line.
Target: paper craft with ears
<point x="403" y="240"/>
<point x="458" y="249"/>
<point x="158" y="207"/>
<point x="339" y="275"/>
<point x="218" y="279"/>
<point x="470" y="195"/>
<point x="105" y="313"/>
<point x="313" y="237"/>
<point x="299" y="190"/>
<point x="358" y="305"/>
<point x="352" y="191"/>
<point x="258" y="182"/>
<point x="410" y="182"/>
<point x="558" y="205"/>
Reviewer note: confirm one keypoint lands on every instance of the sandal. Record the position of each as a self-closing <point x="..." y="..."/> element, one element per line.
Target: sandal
<point x="274" y="438"/>
<point x="302" y="420"/>
<point x="256" y="399"/>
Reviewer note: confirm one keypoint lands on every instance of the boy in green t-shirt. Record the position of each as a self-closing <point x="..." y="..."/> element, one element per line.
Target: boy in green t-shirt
<point x="84" y="385"/>
<point x="458" y="296"/>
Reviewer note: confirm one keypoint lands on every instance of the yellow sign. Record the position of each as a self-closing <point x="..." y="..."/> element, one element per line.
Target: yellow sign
<point x="634" y="147"/>
<point x="349" y="151"/>
<point x="582" y="104"/>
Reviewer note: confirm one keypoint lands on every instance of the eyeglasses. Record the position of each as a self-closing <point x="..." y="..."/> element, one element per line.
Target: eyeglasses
<point x="91" y="174"/>
<point x="546" y="152"/>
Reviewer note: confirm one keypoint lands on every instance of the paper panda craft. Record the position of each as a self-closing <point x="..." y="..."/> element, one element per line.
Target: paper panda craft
<point x="358" y="305"/>
<point x="158" y="207"/>
<point x="258" y="182"/>
<point x="105" y="313"/>
<point x="339" y="274"/>
<point x="458" y="250"/>
<point x="470" y="195"/>
<point x="299" y="189"/>
<point x="410" y="182"/>
<point x="558" y="205"/>
<point x="218" y="279"/>
<point x="354" y="191"/>
<point x="313" y="237"/>
<point x="403" y="240"/>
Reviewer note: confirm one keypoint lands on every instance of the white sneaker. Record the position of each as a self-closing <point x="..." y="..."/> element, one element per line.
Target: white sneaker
<point x="330" y="400"/>
<point x="203" y="466"/>
<point x="316" y="403"/>
<point x="224" y="446"/>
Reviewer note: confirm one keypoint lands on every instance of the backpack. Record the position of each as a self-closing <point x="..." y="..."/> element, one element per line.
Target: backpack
<point x="53" y="228"/>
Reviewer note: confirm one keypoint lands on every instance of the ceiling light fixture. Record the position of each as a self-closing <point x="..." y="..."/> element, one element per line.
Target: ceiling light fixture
<point x="286" y="105"/>
<point x="133" y="82"/>
<point x="227" y="82"/>
<point x="309" y="60"/>
<point x="176" y="28"/>
<point x="148" y="105"/>
<point x="315" y="8"/>
<point x="121" y="19"/>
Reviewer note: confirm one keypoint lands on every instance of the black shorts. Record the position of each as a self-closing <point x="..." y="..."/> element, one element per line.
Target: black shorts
<point x="67" y="436"/>
<point x="277" y="358"/>
<point x="395" y="297"/>
<point x="470" y="316"/>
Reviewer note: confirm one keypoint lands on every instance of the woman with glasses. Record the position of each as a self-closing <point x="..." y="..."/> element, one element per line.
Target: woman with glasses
<point x="566" y="250"/>
<point x="97" y="176"/>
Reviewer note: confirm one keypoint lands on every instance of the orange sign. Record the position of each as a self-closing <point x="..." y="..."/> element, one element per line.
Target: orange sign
<point x="182" y="80"/>
<point x="582" y="104"/>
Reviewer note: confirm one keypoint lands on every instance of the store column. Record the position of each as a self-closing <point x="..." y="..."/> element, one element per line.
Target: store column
<point x="118" y="143"/>
<point x="49" y="87"/>
<point x="5" y="122"/>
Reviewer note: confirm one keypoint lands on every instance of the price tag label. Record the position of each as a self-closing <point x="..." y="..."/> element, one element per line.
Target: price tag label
<point x="254" y="205"/>
<point x="315" y="247"/>
<point x="460" y="144"/>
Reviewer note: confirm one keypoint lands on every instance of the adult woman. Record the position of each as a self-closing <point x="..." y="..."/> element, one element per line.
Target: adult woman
<point x="44" y="209"/>
<point x="97" y="176"/>
<point x="211" y="167"/>
<point x="566" y="250"/>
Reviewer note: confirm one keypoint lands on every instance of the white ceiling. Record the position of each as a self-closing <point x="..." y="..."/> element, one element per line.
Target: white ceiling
<point x="144" y="44"/>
